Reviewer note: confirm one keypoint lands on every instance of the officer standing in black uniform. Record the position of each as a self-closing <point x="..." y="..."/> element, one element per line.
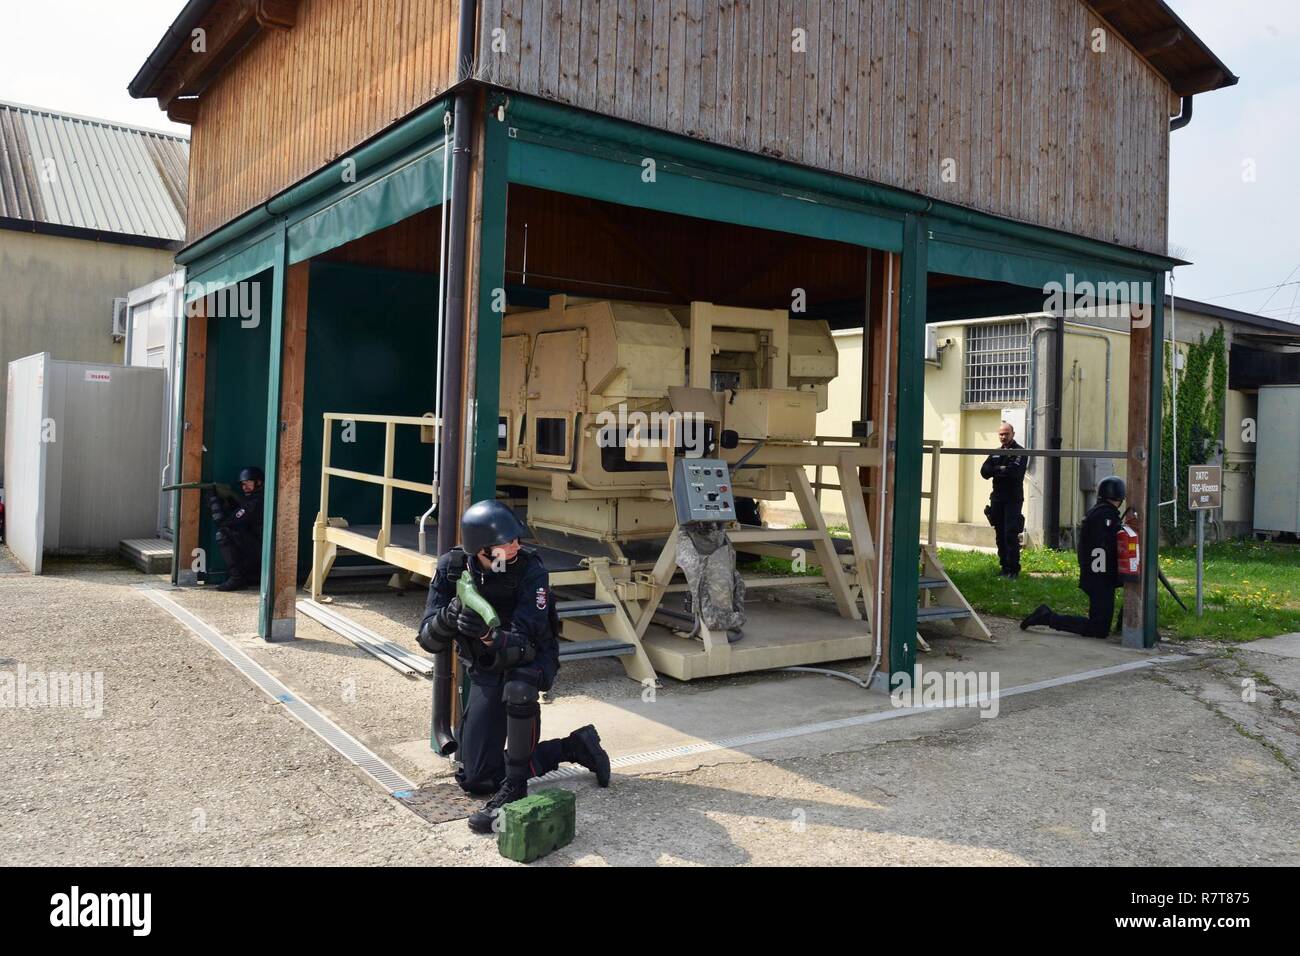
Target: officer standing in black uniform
<point x="1006" y="503"/>
<point x="1098" y="567"/>
<point x="239" y="531"/>
<point x="497" y="738"/>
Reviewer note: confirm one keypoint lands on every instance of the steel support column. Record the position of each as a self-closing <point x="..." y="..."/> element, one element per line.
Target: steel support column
<point x="909" y="419"/>
<point x="271" y="467"/>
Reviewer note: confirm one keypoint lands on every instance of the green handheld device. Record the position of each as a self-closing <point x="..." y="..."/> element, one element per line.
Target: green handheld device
<point x="470" y="598"/>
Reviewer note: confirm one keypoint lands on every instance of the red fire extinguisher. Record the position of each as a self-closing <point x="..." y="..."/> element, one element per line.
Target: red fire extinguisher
<point x="1126" y="547"/>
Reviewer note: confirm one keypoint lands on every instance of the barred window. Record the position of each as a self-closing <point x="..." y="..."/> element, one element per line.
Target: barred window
<point x="997" y="364"/>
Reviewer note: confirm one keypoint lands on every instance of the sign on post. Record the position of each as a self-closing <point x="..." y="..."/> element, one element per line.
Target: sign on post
<point x="1204" y="487"/>
<point x="1204" y="492"/>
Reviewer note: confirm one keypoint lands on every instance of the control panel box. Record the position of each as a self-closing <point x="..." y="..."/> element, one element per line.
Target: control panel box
<point x="702" y="490"/>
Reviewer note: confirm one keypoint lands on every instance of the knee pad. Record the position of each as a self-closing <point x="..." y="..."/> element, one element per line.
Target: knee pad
<point x="521" y="698"/>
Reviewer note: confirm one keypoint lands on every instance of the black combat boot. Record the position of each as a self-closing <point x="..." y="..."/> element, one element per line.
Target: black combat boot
<point x="512" y="789"/>
<point x="232" y="583"/>
<point x="583" y="748"/>
<point x="1039" y="615"/>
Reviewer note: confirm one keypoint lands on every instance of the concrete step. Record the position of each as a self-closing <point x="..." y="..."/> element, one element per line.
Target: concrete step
<point x="150" y="555"/>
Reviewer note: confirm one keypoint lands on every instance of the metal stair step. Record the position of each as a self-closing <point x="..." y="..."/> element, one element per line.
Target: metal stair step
<point x="941" y="613"/>
<point x="929" y="584"/>
<point x="582" y="608"/>
<point x="582" y="650"/>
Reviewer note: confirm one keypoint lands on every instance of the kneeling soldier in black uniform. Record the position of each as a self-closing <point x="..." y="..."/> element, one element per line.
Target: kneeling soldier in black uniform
<point x="1098" y="567"/>
<point x="497" y="739"/>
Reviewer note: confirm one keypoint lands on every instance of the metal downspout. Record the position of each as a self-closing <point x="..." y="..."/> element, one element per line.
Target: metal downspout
<point x="453" y="398"/>
<point x="884" y="465"/>
<point x="441" y="338"/>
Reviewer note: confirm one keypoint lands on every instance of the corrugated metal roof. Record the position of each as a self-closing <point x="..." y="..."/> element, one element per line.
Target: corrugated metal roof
<point x="73" y="171"/>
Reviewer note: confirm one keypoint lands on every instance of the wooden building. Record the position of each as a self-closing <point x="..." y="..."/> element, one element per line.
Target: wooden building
<point x="893" y="159"/>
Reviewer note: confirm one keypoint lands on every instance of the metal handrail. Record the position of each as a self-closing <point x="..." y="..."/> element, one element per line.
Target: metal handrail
<point x="385" y="479"/>
<point x="935" y="447"/>
<point x="821" y="441"/>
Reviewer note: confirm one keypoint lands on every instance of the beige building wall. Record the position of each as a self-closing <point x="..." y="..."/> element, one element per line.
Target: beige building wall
<point x="843" y="408"/>
<point x="1094" y="415"/>
<point x="1239" y="457"/>
<point x="56" y="296"/>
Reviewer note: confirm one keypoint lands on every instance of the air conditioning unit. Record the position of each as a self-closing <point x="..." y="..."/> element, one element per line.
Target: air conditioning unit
<point x="120" y="317"/>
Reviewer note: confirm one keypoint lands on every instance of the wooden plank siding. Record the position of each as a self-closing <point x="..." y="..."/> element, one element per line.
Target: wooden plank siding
<point x="1040" y="128"/>
<point x="297" y="99"/>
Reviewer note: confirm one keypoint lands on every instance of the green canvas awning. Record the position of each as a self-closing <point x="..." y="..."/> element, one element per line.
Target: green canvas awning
<point x="226" y="267"/>
<point x="413" y="186"/>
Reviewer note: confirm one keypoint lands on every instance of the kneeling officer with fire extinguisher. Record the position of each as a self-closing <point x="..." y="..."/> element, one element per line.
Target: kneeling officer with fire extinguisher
<point x="1099" y="565"/>
<point x="491" y="599"/>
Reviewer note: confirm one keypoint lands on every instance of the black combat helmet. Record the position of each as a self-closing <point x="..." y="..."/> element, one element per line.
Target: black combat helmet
<point x="251" y="473"/>
<point x="1112" y="489"/>
<point x="488" y="523"/>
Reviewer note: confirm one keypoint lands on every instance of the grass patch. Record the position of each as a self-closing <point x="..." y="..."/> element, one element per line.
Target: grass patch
<point x="1252" y="589"/>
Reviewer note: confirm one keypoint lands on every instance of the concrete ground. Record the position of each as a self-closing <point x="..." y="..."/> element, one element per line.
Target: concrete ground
<point x="1188" y="762"/>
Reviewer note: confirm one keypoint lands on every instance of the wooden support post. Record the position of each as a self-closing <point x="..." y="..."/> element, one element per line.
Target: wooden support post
<point x="1146" y="335"/>
<point x="665" y="567"/>
<point x="322" y="551"/>
<point x="386" y="496"/>
<point x="864" y="549"/>
<point x="1151" y="541"/>
<point x="826" y="554"/>
<point x="190" y="441"/>
<point x="289" y="481"/>
<point x="619" y="626"/>
<point x="485" y="296"/>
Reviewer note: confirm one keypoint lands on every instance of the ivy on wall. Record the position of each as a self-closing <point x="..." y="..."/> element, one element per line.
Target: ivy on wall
<point x="1202" y="391"/>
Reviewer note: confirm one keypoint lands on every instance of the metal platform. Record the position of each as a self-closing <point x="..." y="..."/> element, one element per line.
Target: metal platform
<point x="610" y="589"/>
<point x="776" y="635"/>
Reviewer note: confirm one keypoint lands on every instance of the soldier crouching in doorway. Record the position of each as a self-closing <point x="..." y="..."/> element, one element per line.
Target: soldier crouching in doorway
<point x="239" y="531"/>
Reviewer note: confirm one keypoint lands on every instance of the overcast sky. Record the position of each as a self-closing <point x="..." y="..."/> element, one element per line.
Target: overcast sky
<point x="79" y="55"/>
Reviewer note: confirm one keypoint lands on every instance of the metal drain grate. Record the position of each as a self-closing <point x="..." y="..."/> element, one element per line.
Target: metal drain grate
<point x="334" y="735"/>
